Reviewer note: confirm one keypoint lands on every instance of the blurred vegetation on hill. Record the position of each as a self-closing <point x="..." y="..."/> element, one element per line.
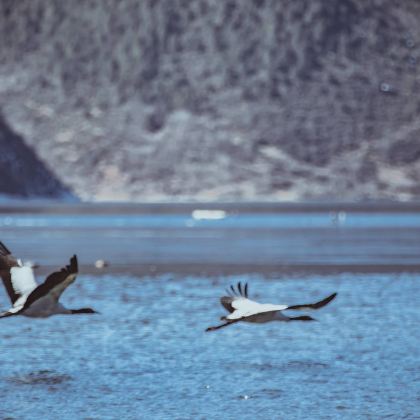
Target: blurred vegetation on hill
<point x="208" y="99"/>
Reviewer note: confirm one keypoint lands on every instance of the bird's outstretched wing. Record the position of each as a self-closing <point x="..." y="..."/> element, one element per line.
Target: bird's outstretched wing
<point x="234" y="294"/>
<point x="55" y="284"/>
<point x="239" y="306"/>
<point x="5" y="255"/>
<point x="315" y="305"/>
<point x="19" y="281"/>
<point x="247" y="307"/>
<point x="14" y="310"/>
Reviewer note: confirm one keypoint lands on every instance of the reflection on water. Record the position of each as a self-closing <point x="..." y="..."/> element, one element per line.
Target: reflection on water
<point x="41" y="377"/>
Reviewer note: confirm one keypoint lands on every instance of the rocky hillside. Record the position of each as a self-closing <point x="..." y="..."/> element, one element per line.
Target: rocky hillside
<point x="22" y="174"/>
<point x="209" y="99"/>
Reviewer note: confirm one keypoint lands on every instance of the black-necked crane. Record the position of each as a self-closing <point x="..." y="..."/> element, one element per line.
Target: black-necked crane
<point x="243" y="309"/>
<point x="33" y="300"/>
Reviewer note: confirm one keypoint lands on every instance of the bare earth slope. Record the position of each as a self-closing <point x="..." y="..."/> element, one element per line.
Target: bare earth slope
<point x="246" y="99"/>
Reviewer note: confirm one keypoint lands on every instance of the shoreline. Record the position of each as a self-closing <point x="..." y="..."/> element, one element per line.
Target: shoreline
<point x="56" y="207"/>
<point x="206" y="270"/>
<point x="258" y="238"/>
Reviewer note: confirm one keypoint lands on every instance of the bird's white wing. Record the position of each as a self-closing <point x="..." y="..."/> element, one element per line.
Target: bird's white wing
<point x="16" y="308"/>
<point x="23" y="280"/>
<point x="247" y="307"/>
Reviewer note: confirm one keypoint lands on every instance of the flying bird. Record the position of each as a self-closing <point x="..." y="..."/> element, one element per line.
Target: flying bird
<point x="243" y="309"/>
<point x="33" y="300"/>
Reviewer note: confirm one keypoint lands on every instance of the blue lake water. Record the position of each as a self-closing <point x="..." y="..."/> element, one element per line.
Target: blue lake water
<point x="246" y="239"/>
<point x="147" y="355"/>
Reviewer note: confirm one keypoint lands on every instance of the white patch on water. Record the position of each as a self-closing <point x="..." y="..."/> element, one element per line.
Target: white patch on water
<point x="208" y="214"/>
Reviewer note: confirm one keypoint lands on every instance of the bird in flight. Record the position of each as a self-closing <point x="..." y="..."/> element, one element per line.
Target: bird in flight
<point x="33" y="300"/>
<point x="243" y="309"/>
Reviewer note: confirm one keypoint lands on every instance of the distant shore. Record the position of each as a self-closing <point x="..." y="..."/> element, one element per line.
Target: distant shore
<point x="217" y="238"/>
<point x="45" y="206"/>
<point x="216" y="270"/>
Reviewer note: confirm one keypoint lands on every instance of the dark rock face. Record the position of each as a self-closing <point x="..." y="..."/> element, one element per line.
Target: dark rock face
<point x="209" y="99"/>
<point x="405" y="152"/>
<point x="22" y="174"/>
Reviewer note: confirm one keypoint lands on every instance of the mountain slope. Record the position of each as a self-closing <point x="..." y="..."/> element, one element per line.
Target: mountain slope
<point x="254" y="99"/>
<point x="22" y="174"/>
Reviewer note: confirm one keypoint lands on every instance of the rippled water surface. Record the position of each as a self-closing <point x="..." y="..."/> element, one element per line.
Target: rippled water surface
<point x="147" y="355"/>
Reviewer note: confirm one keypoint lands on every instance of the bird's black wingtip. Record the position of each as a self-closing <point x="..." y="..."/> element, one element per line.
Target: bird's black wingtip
<point x="4" y="250"/>
<point x="240" y="290"/>
<point x="331" y="297"/>
<point x="74" y="266"/>
<point x="325" y="301"/>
